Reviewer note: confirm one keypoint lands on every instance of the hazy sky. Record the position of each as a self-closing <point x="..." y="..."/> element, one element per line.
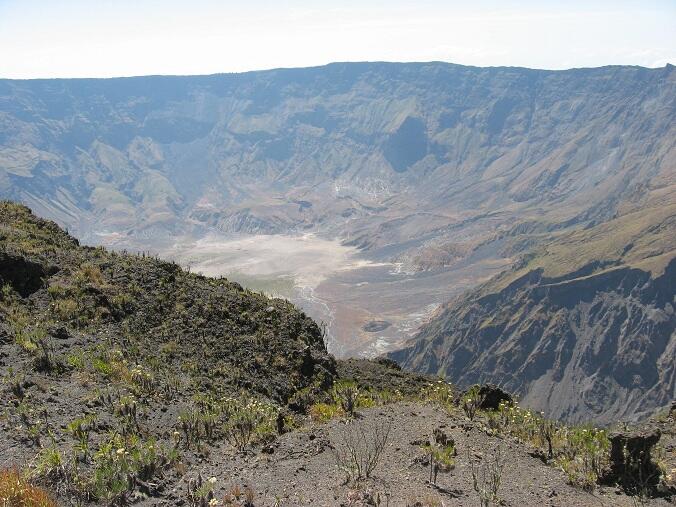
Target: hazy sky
<point x="100" y="38"/>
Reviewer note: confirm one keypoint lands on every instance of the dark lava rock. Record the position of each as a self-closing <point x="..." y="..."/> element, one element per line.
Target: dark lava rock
<point x="630" y="456"/>
<point x="441" y="438"/>
<point x="5" y="335"/>
<point x="376" y="326"/>
<point x="59" y="332"/>
<point x="23" y="275"/>
<point x="491" y="396"/>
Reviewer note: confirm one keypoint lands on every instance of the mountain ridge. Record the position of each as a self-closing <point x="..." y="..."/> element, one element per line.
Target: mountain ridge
<point x="329" y="64"/>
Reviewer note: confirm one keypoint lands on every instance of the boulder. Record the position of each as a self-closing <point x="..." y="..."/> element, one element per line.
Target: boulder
<point x="631" y="463"/>
<point x="491" y="396"/>
<point x="24" y="275"/>
<point x="59" y="332"/>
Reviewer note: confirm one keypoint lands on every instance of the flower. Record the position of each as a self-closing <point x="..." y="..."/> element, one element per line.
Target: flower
<point x="212" y="480"/>
<point x="120" y="451"/>
<point x="213" y="502"/>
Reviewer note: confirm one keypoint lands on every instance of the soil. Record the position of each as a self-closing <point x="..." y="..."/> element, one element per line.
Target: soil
<point x="301" y="469"/>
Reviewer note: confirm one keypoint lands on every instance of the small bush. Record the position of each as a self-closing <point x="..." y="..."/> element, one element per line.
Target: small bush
<point x="322" y="412"/>
<point x="80" y="429"/>
<point x="51" y="468"/>
<point x="584" y="456"/>
<point x="66" y="310"/>
<point x="89" y="274"/>
<point x="120" y="463"/>
<point x="441" y="454"/>
<point x="188" y="421"/>
<point x="77" y="360"/>
<point x="582" y="452"/>
<point x="238" y="497"/>
<point x="347" y="398"/>
<point x="360" y="448"/>
<point x="126" y="409"/>
<point x="487" y="477"/>
<point x="246" y="421"/>
<point x="346" y="393"/>
<point x="46" y="360"/>
<point x="30" y="339"/>
<point x="440" y="393"/>
<point x="50" y="464"/>
<point x="471" y="401"/>
<point x="241" y="421"/>
<point x="32" y="420"/>
<point x="201" y="492"/>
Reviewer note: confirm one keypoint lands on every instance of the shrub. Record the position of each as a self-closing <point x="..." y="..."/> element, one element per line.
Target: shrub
<point x="142" y="380"/>
<point x="16" y="491"/>
<point x="322" y="412"/>
<point x="548" y="429"/>
<point x="471" y="401"/>
<point x="80" y="429"/>
<point x="33" y="422"/>
<point x="89" y="274"/>
<point x="486" y="478"/>
<point x="441" y="393"/>
<point x="66" y="309"/>
<point x="346" y="394"/>
<point x="582" y="452"/>
<point x="58" y="291"/>
<point x="122" y="304"/>
<point x="126" y="409"/>
<point x="45" y="360"/>
<point x="347" y="398"/>
<point x="242" y="424"/>
<point x="188" y="421"/>
<point x="360" y="447"/>
<point x="241" y="421"/>
<point x="236" y="497"/>
<point x="77" y="360"/>
<point x="50" y="463"/>
<point x="51" y="468"/>
<point x="120" y="463"/>
<point x="30" y="338"/>
<point x="201" y="492"/>
<point x="584" y="455"/>
<point x="441" y="454"/>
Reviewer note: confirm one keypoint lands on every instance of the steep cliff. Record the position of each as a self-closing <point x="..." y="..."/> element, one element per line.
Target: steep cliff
<point x="595" y="344"/>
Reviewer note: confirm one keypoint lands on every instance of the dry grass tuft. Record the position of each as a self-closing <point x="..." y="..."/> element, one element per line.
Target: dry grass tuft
<point x="15" y="491"/>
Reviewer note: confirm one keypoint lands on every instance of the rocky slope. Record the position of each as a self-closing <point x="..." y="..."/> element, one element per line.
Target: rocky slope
<point x="575" y="337"/>
<point x="599" y="345"/>
<point x="61" y="298"/>
<point x="127" y="380"/>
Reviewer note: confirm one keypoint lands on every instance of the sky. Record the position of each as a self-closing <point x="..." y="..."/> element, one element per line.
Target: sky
<point x="103" y="38"/>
